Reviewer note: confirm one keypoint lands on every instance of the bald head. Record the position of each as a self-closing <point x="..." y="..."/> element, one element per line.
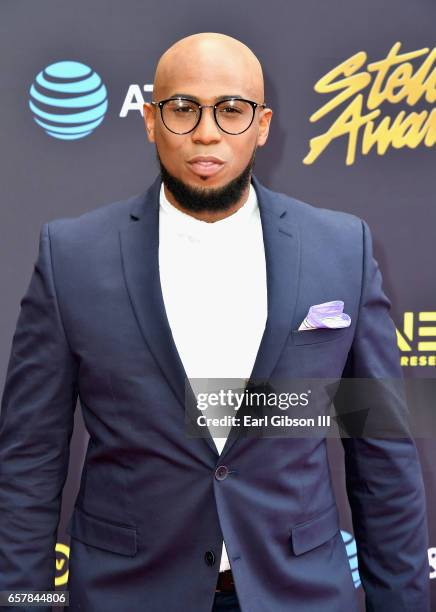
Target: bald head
<point x="207" y="169"/>
<point x="209" y="57"/>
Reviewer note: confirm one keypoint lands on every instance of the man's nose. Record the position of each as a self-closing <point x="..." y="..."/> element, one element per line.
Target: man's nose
<point x="207" y="130"/>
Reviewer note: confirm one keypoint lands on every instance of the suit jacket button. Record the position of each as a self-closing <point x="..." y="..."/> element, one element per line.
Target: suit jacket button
<point x="209" y="557"/>
<point x="221" y="472"/>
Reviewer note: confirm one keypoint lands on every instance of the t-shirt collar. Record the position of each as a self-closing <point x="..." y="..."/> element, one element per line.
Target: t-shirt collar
<point x="196" y="227"/>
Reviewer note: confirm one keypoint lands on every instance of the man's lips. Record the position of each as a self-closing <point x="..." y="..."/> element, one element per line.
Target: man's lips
<point x="205" y="165"/>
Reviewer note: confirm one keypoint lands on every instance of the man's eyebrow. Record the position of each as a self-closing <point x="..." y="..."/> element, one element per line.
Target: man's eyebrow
<point x="218" y="99"/>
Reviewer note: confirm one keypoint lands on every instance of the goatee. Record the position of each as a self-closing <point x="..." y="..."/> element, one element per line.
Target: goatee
<point x="208" y="199"/>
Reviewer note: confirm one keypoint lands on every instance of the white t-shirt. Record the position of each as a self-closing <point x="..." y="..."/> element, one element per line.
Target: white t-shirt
<point x="213" y="279"/>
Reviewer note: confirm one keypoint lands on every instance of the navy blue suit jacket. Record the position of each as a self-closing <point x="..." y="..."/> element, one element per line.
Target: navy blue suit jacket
<point x="151" y="513"/>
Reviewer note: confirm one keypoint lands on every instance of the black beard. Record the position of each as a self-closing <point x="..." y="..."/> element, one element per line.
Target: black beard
<point x="196" y="199"/>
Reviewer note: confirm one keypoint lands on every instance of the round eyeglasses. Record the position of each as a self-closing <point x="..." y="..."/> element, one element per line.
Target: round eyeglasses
<point x="182" y="115"/>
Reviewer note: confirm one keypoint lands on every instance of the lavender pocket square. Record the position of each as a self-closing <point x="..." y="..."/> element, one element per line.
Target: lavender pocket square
<point x="327" y="314"/>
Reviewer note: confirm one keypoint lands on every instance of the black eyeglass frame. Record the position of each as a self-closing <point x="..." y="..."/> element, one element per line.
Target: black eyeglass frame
<point x="253" y="104"/>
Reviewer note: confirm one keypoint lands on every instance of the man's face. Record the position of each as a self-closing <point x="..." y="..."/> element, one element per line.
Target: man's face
<point x="205" y="77"/>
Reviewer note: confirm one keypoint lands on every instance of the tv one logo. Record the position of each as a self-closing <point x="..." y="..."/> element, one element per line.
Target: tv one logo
<point x="68" y="100"/>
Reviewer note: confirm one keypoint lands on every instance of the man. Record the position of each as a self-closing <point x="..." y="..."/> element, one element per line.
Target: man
<point x="207" y="274"/>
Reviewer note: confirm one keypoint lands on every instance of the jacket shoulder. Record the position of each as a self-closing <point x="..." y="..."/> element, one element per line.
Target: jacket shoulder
<point x="96" y="222"/>
<point x="315" y="216"/>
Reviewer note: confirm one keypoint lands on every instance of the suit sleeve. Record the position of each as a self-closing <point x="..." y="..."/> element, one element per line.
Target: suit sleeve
<point x="383" y="475"/>
<point x="36" y="423"/>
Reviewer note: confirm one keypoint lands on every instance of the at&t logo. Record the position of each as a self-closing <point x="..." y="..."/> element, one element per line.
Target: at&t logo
<point x="350" y="545"/>
<point x="68" y="100"/>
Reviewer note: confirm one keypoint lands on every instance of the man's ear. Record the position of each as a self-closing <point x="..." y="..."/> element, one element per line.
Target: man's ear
<point x="264" y="123"/>
<point x="149" y="120"/>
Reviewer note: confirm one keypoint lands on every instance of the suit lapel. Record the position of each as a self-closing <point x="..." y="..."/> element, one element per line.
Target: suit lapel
<point x="282" y="257"/>
<point x="139" y="241"/>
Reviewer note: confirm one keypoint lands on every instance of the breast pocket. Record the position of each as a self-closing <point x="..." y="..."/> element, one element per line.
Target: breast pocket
<point x="315" y="336"/>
